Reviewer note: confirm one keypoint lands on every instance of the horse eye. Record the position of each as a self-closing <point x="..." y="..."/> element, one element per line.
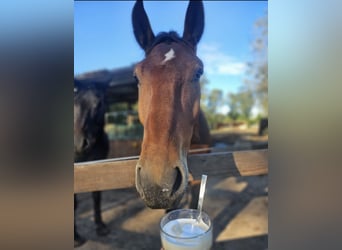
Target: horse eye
<point x="198" y="75"/>
<point x="137" y="80"/>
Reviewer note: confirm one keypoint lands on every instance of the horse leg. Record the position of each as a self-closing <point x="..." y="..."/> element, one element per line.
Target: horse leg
<point x="78" y="240"/>
<point x="101" y="228"/>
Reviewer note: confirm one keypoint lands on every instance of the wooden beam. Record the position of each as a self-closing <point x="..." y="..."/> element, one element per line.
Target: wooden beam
<point x="116" y="173"/>
<point x="238" y="163"/>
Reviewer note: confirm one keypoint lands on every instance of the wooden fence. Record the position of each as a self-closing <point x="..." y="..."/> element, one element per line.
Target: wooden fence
<point x="120" y="172"/>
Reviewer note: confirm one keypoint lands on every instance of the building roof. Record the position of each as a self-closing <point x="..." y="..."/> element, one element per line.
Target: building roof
<point x="122" y="86"/>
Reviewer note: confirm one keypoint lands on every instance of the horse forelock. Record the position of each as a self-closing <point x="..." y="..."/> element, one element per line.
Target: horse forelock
<point x="168" y="38"/>
<point x="89" y="102"/>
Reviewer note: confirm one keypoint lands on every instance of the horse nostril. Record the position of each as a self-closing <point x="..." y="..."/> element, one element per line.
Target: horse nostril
<point x="85" y="143"/>
<point x="178" y="181"/>
<point x="137" y="173"/>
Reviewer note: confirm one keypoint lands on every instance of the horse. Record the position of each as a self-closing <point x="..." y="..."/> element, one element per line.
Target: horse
<point x="263" y="125"/>
<point x="90" y="140"/>
<point x="168" y="106"/>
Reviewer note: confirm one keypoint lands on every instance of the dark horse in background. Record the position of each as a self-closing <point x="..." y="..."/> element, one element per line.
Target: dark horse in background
<point x="168" y="106"/>
<point x="90" y="140"/>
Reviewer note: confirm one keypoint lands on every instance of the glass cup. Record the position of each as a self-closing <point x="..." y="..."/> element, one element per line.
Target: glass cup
<point x="181" y="230"/>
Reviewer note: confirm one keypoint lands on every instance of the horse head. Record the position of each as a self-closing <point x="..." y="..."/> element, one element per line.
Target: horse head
<point x="168" y="105"/>
<point x="89" y="113"/>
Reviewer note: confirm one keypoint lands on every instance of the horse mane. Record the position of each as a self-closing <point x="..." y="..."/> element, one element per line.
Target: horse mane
<point x="168" y="38"/>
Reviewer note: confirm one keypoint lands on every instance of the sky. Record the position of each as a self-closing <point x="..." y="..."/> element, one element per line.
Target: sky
<point x="103" y="36"/>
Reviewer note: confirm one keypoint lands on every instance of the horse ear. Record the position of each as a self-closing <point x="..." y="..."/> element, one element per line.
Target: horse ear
<point x="194" y="22"/>
<point x="141" y="26"/>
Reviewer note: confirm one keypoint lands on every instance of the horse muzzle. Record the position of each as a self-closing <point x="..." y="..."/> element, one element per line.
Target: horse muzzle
<point x="161" y="191"/>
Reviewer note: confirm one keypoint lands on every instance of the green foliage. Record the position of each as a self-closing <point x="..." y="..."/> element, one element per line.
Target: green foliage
<point x="240" y="104"/>
<point x="246" y="102"/>
<point x="121" y="131"/>
<point x="255" y="91"/>
<point x="214" y="100"/>
<point x="233" y="103"/>
<point x="123" y="125"/>
<point x="204" y="90"/>
<point x="121" y="106"/>
<point x="234" y="115"/>
<point x="214" y="119"/>
<point x="258" y="67"/>
<point x="119" y="118"/>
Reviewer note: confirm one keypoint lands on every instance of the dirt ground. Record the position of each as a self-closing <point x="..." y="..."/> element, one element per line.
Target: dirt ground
<point x="238" y="207"/>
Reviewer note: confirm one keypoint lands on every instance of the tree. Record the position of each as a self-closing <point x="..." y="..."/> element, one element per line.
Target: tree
<point x="246" y="103"/>
<point x="240" y="104"/>
<point x="258" y="67"/>
<point x="204" y="91"/>
<point x="210" y="101"/>
<point x="215" y="100"/>
<point x="233" y="103"/>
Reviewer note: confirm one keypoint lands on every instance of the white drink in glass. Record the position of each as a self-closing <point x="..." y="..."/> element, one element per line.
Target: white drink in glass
<point x="180" y="230"/>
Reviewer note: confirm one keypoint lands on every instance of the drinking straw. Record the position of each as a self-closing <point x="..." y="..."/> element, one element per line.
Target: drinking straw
<point x="201" y="196"/>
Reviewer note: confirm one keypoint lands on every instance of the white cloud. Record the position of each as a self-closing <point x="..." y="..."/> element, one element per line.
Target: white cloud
<point x="234" y="68"/>
<point x="217" y="62"/>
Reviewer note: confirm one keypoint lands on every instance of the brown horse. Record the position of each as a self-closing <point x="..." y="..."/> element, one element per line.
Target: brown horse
<point x="169" y="106"/>
<point x="90" y="140"/>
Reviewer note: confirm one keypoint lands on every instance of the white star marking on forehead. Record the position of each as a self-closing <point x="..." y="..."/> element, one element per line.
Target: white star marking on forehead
<point x="169" y="56"/>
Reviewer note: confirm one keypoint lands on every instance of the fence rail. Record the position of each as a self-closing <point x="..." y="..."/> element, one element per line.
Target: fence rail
<point x="120" y="173"/>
